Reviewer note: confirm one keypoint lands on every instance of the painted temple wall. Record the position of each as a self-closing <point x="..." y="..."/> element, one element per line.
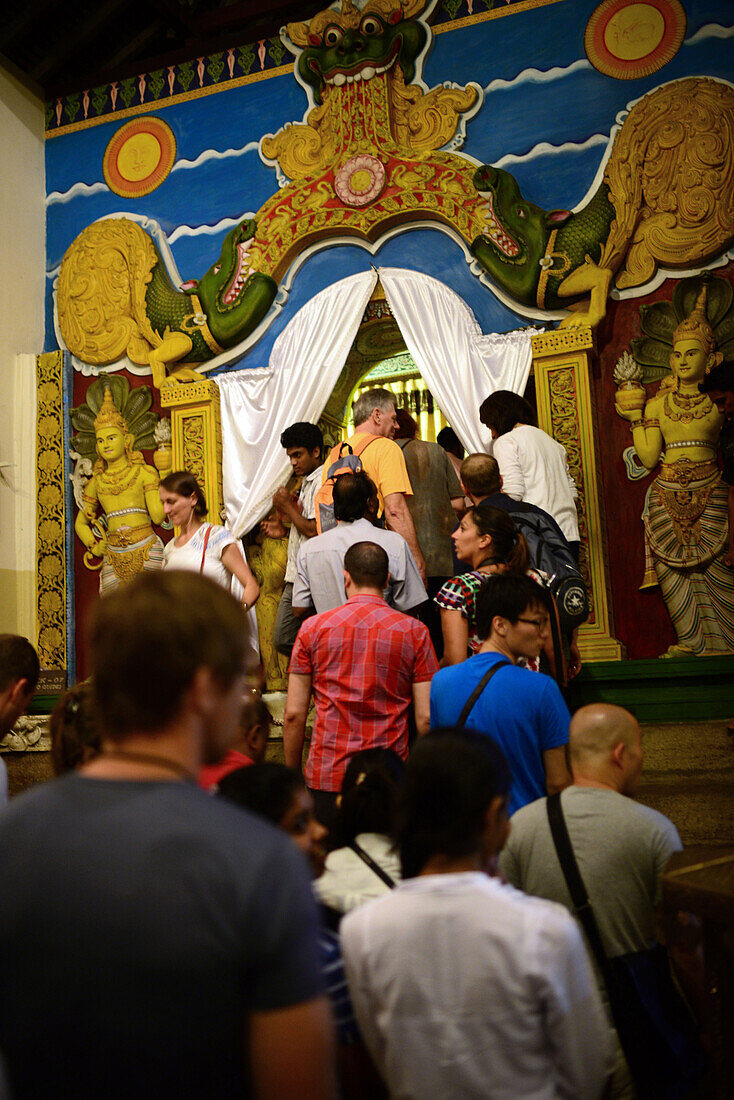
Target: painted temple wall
<point x="546" y="117"/>
<point x="22" y="265"/>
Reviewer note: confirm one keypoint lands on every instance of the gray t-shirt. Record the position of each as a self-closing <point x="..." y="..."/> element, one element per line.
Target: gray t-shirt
<point x="621" y="848"/>
<point x="141" y="923"/>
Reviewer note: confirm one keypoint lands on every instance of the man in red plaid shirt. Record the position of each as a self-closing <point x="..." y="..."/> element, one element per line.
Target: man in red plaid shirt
<point x="364" y="662"/>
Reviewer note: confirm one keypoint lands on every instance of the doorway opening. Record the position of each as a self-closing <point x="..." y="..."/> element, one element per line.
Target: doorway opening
<point x="379" y="357"/>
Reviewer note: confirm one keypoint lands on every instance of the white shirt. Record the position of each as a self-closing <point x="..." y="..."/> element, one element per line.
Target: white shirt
<point x="309" y="485"/>
<point x="189" y="556"/>
<point x="534" y="468"/>
<point x="465" y="988"/>
<point x="348" y="881"/>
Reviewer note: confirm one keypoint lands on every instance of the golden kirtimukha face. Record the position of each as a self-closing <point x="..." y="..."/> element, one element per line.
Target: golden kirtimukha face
<point x="689" y="360"/>
<point x="110" y="444"/>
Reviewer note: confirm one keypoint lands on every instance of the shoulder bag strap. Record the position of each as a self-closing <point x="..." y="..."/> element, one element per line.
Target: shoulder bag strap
<point x="466" y="711"/>
<point x="373" y="866"/>
<point x="206" y="543"/>
<point x="569" y="866"/>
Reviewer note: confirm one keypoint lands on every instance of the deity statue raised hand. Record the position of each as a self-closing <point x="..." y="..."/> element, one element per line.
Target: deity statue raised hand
<point x="685" y="515"/>
<point x="119" y="503"/>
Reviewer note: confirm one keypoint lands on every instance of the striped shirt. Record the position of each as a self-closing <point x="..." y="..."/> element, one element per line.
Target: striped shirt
<point x="363" y="659"/>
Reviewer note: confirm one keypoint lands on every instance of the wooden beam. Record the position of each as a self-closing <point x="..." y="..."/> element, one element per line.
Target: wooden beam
<point x="249" y="11"/>
<point x="70" y="44"/>
<point x="25" y="16"/>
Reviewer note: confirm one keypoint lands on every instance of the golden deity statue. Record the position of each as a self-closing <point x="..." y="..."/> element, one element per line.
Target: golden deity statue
<point x="267" y="558"/>
<point x="120" y="541"/>
<point x="685" y="515"/>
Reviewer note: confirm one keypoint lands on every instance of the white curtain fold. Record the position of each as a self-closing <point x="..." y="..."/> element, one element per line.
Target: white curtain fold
<point x="257" y="405"/>
<point x="459" y="364"/>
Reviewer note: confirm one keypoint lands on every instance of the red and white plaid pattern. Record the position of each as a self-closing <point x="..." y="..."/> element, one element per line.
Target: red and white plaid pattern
<point x="363" y="659"/>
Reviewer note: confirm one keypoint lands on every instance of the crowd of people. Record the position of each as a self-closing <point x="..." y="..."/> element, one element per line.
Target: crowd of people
<point x="184" y="917"/>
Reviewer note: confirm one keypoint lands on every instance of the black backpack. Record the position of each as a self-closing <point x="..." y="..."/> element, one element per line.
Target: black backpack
<point x="551" y="554"/>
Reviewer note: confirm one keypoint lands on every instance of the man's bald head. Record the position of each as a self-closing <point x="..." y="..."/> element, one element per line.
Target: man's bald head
<point x="480" y="475"/>
<point x="604" y="744"/>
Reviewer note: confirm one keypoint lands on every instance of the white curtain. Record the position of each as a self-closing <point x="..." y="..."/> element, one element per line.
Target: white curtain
<point x="257" y="405"/>
<point x="459" y="364"/>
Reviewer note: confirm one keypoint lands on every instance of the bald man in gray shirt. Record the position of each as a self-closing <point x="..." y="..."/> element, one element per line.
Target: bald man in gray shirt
<point x="621" y="846"/>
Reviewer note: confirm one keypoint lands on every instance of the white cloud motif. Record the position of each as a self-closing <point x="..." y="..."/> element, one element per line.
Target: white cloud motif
<point x="214" y="154"/>
<point x="539" y="76"/>
<point x="543" y="148"/>
<point x="709" y="30"/>
<point x="77" y="189"/>
<point x="207" y="230"/>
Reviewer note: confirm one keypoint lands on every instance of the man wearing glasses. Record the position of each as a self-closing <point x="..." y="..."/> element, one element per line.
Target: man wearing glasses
<point x="522" y="711"/>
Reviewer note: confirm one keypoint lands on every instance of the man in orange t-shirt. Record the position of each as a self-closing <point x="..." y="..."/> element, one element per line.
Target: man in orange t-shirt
<point x="382" y="460"/>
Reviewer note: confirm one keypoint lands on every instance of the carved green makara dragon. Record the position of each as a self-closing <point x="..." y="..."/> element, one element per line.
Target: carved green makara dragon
<point x="666" y="200"/>
<point x="116" y="298"/>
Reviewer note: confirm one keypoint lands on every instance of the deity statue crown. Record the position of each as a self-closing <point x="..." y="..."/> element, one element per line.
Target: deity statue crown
<point x="696" y="325"/>
<point x="109" y="416"/>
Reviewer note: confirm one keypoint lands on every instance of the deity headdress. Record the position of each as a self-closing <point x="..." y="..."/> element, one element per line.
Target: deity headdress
<point x="696" y="325"/>
<point x="109" y="416"/>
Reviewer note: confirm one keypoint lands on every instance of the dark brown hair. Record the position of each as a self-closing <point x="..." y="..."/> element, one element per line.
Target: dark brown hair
<point x="367" y="564"/>
<point x="184" y="484"/>
<point x="508" y="545"/>
<point x="75" y="735"/>
<point x="503" y="409"/>
<point x="18" y="661"/>
<point x="149" y="638"/>
<point x="407" y="427"/>
<point x="451" y="779"/>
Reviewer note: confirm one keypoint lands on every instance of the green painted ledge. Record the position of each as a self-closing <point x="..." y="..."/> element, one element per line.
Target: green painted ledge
<point x="675" y="690"/>
<point x="655" y="690"/>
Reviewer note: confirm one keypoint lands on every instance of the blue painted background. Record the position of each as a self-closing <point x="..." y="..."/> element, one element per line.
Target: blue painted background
<point x="539" y="89"/>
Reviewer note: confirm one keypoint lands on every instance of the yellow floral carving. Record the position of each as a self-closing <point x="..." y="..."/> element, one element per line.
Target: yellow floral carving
<point x="49" y="567"/>
<point x="49" y="530"/>
<point x="46" y="426"/>
<point x="50" y="603"/>
<point x="434" y="117"/>
<point x="50" y="579"/>
<point x="671" y="179"/>
<point x="50" y="639"/>
<point x="101" y="293"/>
<point x="49" y="497"/>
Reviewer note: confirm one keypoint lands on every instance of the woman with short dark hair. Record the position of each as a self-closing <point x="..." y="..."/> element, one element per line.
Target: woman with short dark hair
<point x="463" y="986"/>
<point x="364" y="863"/>
<point x="534" y="467"/>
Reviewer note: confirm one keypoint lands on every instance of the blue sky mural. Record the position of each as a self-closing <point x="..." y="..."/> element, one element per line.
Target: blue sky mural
<point x="546" y="117"/>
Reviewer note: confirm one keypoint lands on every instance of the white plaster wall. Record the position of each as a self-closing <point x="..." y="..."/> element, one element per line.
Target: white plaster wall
<point x="22" y="265"/>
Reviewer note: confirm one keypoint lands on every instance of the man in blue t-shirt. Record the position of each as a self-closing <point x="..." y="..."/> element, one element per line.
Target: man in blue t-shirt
<point x="522" y="711"/>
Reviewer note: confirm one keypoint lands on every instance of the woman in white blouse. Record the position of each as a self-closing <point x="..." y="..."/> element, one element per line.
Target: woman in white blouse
<point x="200" y="546"/>
<point x="534" y="467"/>
<point x="364" y="865"/>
